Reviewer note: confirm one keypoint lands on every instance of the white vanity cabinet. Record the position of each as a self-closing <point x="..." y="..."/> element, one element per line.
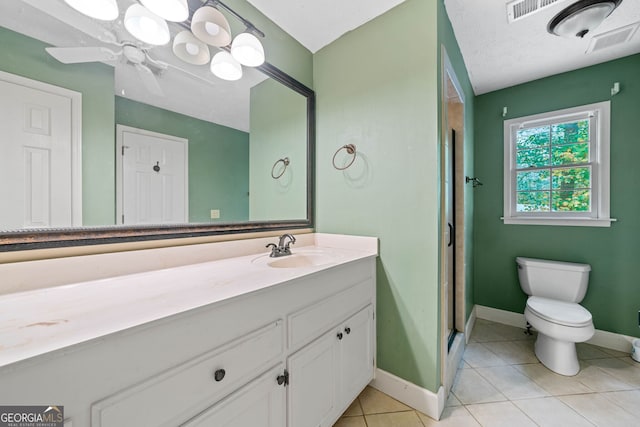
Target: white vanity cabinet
<point x="293" y="351"/>
<point x="168" y="398"/>
<point x="260" y="403"/>
<point x="330" y="372"/>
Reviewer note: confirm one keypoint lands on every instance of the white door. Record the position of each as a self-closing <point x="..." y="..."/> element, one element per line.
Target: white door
<point x="313" y="384"/>
<point x="356" y="354"/>
<point x="36" y="155"/>
<point x="153" y="187"/>
<point x="261" y="403"/>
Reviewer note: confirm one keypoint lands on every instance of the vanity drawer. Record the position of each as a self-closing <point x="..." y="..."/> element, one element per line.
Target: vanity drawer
<point x="181" y="392"/>
<point x="315" y="319"/>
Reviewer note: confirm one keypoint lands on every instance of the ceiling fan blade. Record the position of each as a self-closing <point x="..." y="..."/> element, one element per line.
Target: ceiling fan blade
<point x="149" y="79"/>
<point x="74" y="55"/>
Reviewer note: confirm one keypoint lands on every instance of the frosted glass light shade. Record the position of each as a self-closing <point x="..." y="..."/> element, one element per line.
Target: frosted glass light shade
<point x="209" y="25"/>
<point x="190" y="49"/>
<point x="225" y="67"/>
<point x="104" y="10"/>
<point x="247" y="50"/>
<point x="581" y="17"/>
<point x="171" y="10"/>
<point x="146" y="26"/>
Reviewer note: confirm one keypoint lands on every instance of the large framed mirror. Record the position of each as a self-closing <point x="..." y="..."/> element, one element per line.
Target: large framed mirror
<point x="105" y="139"/>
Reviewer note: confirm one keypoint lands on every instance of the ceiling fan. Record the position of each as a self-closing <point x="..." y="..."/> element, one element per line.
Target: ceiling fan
<point x="148" y="69"/>
<point x="135" y="54"/>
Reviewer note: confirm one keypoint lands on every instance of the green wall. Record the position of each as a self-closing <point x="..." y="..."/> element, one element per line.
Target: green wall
<point x="377" y="88"/>
<point x="613" y="296"/>
<point x="218" y="159"/>
<point x="26" y="57"/>
<point x="278" y="130"/>
<point x="447" y="39"/>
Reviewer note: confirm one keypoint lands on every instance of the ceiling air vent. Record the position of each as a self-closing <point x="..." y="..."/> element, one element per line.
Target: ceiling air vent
<point x="518" y="9"/>
<point x="612" y="38"/>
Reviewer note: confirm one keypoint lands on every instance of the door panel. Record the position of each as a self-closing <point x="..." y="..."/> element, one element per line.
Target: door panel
<point x="356" y="354"/>
<point x="449" y="236"/>
<point x="35" y="157"/>
<point x="154" y="178"/>
<point x="313" y="385"/>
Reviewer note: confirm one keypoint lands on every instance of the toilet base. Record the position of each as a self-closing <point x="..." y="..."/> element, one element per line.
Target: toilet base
<point x="559" y="356"/>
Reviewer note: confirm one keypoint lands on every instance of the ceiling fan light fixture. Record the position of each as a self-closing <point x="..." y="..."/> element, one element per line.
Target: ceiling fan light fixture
<point x="146" y="26"/>
<point x="247" y="50"/>
<point x="224" y="66"/>
<point x="171" y="10"/>
<point x="104" y="10"/>
<point x="582" y="17"/>
<point x="209" y="25"/>
<point x="190" y="49"/>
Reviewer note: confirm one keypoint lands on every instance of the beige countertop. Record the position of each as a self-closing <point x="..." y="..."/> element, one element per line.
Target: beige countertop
<point x="40" y="321"/>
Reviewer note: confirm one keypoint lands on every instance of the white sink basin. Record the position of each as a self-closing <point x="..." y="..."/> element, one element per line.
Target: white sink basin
<point x="297" y="260"/>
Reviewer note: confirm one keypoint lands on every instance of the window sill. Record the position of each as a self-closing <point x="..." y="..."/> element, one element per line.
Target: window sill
<point x="570" y="222"/>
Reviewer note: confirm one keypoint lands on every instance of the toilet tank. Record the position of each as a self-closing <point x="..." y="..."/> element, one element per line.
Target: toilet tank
<point x="564" y="281"/>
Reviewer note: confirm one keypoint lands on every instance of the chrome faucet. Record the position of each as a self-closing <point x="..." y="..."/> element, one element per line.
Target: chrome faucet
<point x="282" y="249"/>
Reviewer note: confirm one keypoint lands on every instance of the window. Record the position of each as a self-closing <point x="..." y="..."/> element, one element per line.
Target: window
<point x="556" y="167"/>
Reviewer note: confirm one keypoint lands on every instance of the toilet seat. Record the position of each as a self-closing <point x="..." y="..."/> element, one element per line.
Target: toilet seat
<point x="560" y="312"/>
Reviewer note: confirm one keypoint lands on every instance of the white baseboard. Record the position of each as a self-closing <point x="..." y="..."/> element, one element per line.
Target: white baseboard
<point x="471" y="322"/>
<point x="500" y="316"/>
<point x="421" y="399"/>
<point x="600" y="338"/>
<point x="453" y="359"/>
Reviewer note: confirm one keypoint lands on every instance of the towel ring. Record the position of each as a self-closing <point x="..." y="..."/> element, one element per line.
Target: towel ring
<point x="285" y="163"/>
<point x="351" y="149"/>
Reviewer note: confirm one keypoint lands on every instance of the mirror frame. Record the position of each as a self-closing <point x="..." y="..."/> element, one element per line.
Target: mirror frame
<point x="28" y="239"/>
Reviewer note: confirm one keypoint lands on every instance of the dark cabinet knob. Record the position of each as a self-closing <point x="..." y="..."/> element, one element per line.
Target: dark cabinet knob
<point x="347" y="330"/>
<point x="283" y="379"/>
<point x="219" y="375"/>
<point x="339" y="335"/>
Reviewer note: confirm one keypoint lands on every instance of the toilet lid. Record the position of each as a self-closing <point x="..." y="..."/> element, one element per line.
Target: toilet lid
<point x="560" y="312"/>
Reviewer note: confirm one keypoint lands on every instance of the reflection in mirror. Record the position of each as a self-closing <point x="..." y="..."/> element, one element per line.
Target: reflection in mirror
<point x="92" y="143"/>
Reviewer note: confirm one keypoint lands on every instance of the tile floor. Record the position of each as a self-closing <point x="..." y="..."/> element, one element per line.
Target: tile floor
<point x="501" y="383"/>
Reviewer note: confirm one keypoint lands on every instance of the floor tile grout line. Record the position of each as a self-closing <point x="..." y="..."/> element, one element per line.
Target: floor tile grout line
<point x="579" y="414"/>
<point x="557" y="396"/>
<point x="390" y="412"/>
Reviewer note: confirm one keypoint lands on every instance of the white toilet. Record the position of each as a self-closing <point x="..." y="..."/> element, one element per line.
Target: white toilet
<point x="555" y="289"/>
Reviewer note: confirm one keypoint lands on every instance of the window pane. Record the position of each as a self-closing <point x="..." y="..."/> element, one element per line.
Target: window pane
<point x="566" y="133"/>
<point x="532" y="137"/>
<point x="532" y="201"/>
<point x="571" y="201"/>
<point x="570" y="154"/>
<point x="532" y="158"/>
<point x="571" y="178"/>
<point x="534" y="180"/>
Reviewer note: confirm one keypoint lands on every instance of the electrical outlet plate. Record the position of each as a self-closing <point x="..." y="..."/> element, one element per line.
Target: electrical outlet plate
<point x="215" y="213"/>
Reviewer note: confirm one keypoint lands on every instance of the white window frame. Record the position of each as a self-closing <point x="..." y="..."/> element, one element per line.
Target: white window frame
<point x="600" y="124"/>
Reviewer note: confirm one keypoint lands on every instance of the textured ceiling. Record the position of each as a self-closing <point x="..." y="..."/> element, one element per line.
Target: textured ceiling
<point x="315" y="24"/>
<point x="499" y="54"/>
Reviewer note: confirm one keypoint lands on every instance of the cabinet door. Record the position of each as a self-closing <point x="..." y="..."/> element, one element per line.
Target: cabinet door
<point x="261" y="403"/>
<point x="313" y="383"/>
<point x="356" y="354"/>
